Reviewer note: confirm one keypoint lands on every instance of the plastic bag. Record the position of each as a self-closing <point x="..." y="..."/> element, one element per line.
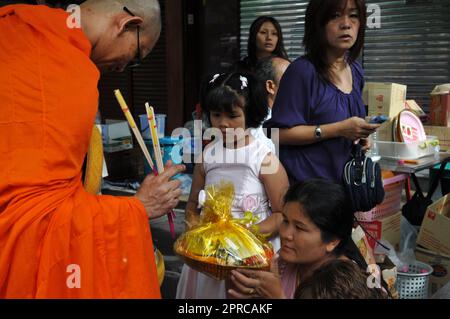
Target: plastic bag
<point x="405" y="256"/>
<point x="220" y="243"/>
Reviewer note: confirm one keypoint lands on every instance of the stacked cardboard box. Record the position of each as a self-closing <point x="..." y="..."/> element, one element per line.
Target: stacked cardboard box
<point x="384" y="132"/>
<point x="442" y="133"/>
<point x="384" y="98"/>
<point x="414" y="107"/>
<point x="440" y="105"/>
<point x="434" y="237"/>
<point x="387" y="99"/>
<point x="435" y="229"/>
<point x="387" y="228"/>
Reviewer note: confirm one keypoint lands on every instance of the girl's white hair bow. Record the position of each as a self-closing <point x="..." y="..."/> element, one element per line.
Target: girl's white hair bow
<point x="244" y="82"/>
<point x="214" y="77"/>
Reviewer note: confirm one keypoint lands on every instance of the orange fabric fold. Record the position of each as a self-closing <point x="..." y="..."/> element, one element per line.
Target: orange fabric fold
<point x="57" y="240"/>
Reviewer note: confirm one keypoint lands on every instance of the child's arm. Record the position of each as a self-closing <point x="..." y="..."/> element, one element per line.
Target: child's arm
<point x="198" y="183"/>
<point x="276" y="183"/>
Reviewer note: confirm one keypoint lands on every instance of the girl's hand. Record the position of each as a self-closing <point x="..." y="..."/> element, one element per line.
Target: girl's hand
<point x="192" y="208"/>
<point x="192" y="219"/>
<point x="270" y="225"/>
<point x="257" y="283"/>
<point x="355" y="128"/>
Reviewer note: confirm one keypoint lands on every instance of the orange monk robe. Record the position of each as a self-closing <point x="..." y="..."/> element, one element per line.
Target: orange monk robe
<point x="56" y="240"/>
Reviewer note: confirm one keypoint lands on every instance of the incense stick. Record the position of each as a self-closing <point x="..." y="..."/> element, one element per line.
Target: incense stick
<point x="158" y="157"/>
<point x="134" y="128"/>
<point x="137" y="134"/>
<point x="155" y="139"/>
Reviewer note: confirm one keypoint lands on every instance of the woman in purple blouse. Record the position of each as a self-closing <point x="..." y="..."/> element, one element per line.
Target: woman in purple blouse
<point x="319" y="108"/>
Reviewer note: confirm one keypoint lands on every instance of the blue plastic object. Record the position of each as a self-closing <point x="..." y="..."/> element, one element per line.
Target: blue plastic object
<point x="379" y="119"/>
<point x="171" y="149"/>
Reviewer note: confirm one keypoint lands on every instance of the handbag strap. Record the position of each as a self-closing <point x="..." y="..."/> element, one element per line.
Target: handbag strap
<point x="370" y="235"/>
<point x="358" y="156"/>
<point x="417" y="186"/>
<point x="357" y="152"/>
<point x="437" y="178"/>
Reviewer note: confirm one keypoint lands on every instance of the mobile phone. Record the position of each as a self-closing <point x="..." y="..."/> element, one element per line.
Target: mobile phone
<point x="379" y="119"/>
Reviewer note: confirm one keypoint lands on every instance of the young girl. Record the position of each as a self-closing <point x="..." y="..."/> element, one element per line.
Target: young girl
<point x="235" y="102"/>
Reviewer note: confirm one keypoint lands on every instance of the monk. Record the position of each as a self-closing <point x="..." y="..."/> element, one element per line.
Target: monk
<point x="56" y="239"/>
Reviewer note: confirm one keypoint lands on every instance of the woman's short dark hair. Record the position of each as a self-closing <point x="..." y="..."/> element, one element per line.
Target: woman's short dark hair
<point x="326" y="205"/>
<point x="251" y="45"/>
<point x="318" y="14"/>
<point x="338" y="279"/>
<point x="227" y="90"/>
<point x="266" y="70"/>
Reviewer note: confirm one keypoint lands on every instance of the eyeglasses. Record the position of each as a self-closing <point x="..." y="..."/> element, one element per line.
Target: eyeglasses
<point x="137" y="60"/>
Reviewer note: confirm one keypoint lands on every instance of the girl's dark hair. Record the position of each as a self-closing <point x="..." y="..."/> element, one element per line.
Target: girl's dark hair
<point x="326" y="205"/>
<point x="318" y="14"/>
<point x="228" y="90"/>
<point x="338" y="279"/>
<point x="251" y="45"/>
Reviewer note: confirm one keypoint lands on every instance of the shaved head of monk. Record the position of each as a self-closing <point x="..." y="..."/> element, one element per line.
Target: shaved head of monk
<point x="114" y="28"/>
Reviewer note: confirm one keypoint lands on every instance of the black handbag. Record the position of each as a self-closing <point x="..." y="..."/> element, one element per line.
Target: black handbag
<point x="414" y="210"/>
<point x="363" y="181"/>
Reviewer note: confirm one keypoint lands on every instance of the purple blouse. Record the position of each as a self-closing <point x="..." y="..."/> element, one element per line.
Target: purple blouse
<point x="304" y="99"/>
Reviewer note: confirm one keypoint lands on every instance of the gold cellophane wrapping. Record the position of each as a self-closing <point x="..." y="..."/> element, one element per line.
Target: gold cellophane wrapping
<point x="220" y="243"/>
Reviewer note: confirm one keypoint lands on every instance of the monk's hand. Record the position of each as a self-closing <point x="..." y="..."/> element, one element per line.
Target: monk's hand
<point x="159" y="194"/>
<point x="355" y="128"/>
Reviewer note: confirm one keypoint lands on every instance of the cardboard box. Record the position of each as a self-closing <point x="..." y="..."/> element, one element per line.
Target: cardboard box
<point x="442" y="133"/>
<point x="441" y="267"/>
<point x="384" y="98"/>
<point x="387" y="228"/>
<point x="435" y="230"/>
<point x="440" y="105"/>
<point x="440" y="110"/>
<point x="116" y="136"/>
<point x="384" y="132"/>
<point x="416" y="109"/>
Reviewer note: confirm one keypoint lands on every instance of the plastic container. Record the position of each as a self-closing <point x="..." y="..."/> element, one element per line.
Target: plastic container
<point x="414" y="150"/>
<point x="160" y="125"/>
<point x="171" y="149"/>
<point x="415" y="283"/>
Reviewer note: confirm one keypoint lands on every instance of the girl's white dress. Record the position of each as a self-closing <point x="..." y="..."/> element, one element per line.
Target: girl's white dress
<point x="241" y="166"/>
